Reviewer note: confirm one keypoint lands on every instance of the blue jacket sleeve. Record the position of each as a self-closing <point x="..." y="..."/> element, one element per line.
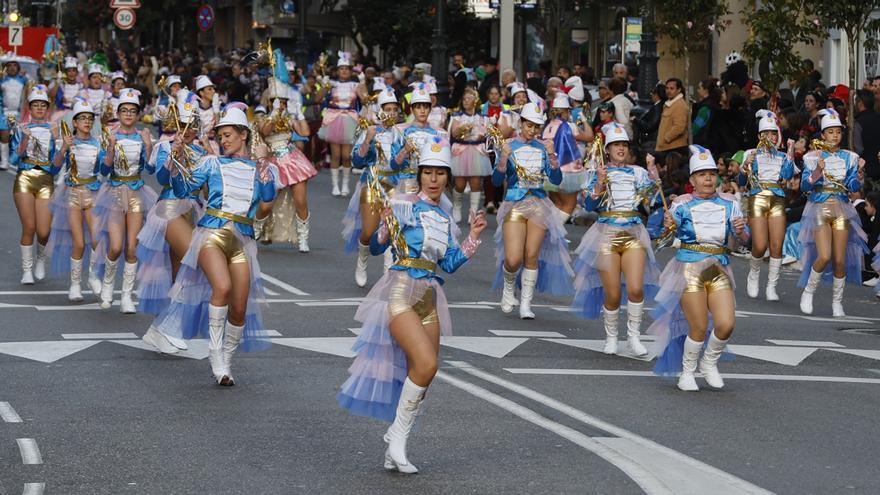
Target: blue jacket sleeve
<point x="396" y="146"/>
<point x="182" y="187"/>
<point x="591" y="204"/>
<point x="376" y="247"/>
<point x="554" y="175"/>
<point x="787" y="171"/>
<point x="163" y="175"/>
<point x="358" y="161"/>
<point x="14" y="157"/>
<point x="852" y="181"/>
<point x="806" y="185"/>
<point x="267" y="191"/>
<point x="454" y="256"/>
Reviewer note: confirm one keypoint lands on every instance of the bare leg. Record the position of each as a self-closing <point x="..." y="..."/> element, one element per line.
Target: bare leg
<point x="722" y="305"/>
<point x="300" y="193"/>
<point x="776" y="226"/>
<point x="213" y="262"/>
<point x="514" y="235"/>
<point x="25" y="204"/>
<point x="838" y="257"/>
<point x="696" y="310"/>
<point x="44" y="220"/>
<point x="760" y="235"/>
<point x="611" y="281"/>
<point x="419" y="346"/>
<point x="178" y="233"/>
<point x="633" y="264"/>
<point x="534" y="241"/>
<point x="78" y="247"/>
<point x="822" y="237"/>
<point x="240" y="275"/>
<point x="133" y="224"/>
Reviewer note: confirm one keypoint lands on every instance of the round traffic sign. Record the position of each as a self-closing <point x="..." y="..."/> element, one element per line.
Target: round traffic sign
<point x="124" y="18"/>
<point x="205" y="17"/>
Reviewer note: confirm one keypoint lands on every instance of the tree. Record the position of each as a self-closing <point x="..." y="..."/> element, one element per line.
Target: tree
<point x="775" y="28"/>
<point x="403" y="30"/>
<point x="689" y="24"/>
<point x="854" y="19"/>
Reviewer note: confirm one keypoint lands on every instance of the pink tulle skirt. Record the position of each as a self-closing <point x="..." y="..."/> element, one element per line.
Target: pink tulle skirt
<point x="338" y="126"/>
<point x="293" y="167"/>
<point x="469" y="160"/>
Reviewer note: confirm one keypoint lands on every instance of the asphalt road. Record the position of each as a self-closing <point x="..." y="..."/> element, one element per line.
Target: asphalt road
<point x="510" y="412"/>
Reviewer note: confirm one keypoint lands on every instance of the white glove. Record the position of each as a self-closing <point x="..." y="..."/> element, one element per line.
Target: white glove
<point x="276" y="104"/>
<point x="325" y="80"/>
<point x="215" y="103"/>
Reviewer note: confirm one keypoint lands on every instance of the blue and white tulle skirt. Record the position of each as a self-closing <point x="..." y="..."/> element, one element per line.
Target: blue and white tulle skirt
<point x="111" y="206"/>
<point x="154" y="253"/>
<point x="554" y="262"/>
<point x="856" y="246"/>
<point x="790" y="244"/>
<point x="589" y="294"/>
<point x="379" y="369"/>
<point x="186" y="316"/>
<point x="670" y="325"/>
<point x="60" y="244"/>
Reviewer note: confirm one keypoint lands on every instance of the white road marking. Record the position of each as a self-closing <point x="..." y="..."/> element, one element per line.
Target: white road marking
<point x="648" y="482"/>
<point x="598" y="345"/>
<point x="327" y="303"/>
<point x="270" y="292"/>
<point x="525" y="333"/>
<point x="43" y="292"/>
<point x="733" y="376"/>
<point x="46" y="351"/>
<point x="284" y="285"/>
<point x="496" y="347"/>
<point x="789" y="356"/>
<point x="805" y="343"/>
<point x="33" y="489"/>
<point x="709" y="480"/>
<point x="8" y="414"/>
<point x="95" y="336"/>
<point x="197" y="348"/>
<point x="30" y="452"/>
<point x="860" y="352"/>
<point x="337" y="346"/>
<point x="469" y="306"/>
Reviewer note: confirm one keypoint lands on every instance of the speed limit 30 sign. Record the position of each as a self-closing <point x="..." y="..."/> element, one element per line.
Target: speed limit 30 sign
<point x="124" y="18"/>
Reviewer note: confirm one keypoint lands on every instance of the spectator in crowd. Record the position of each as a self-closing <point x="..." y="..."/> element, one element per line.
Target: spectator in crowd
<point x="563" y="72"/>
<point x="645" y="126"/>
<point x="705" y="114"/>
<point x="622" y="104"/>
<point x="866" y="134"/>
<point x="871" y="225"/>
<point x="813" y="102"/>
<point x="491" y="78"/>
<point x="672" y="134"/>
<point x="758" y="100"/>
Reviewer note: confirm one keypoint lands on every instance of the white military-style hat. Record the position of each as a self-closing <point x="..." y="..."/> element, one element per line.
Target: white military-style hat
<point x="260" y="109"/>
<point x="701" y="159"/>
<point x="130" y="96"/>
<point x="533" y="113"/>
<point x="516" y="87"/>
<point x="96" y="69"/>
<point x="175" y="79"/>
<point x="290" y="65"/>
<point x="614" y="132"/>
<point x="766" y="121"/>
<point x="830" y="118"/>
<point x="344" y="59"/>
<point x="420" y="94"/>
<point x="232" y="116"/>
<point x="203" y="82"/>
<point x="387" y="96"/>
<point x="378" y="84"/>
<point x="38" y="93"/>
<point x="561" y="101"/>
<point x="277" y="89"/>
<point x="436" y="152"/>
<point x="575" y="88"/>
<point x="71" y="63"/>
<point x="81" y="105"/>
<point x="117" y="75"/>
<point x="187" y="106"/>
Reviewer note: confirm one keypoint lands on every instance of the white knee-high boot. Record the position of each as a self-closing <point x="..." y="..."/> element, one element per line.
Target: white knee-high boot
<point x="753" y="281"/>
<point x="360" y="271"/>
<point x="302" y="233"/>
<point x="129" y="274"/>
<point x="476" y="201"/>
<point x="109" y="283"/>
<point x="27" y="264"/>
<point x="346" y="175"/>
<point x="456" y="205"/>
<point x="230" y="344"/>
<point x="334" y="179"/>
<point x="634" y="312"/>
<point x="94" y="281"/>
<point x="837" y="297"/>
<point x="407" y="409"/>
<point x="686" y="381"/>
<point x="4" y="156"/>
<point x="40" y="263"/>
<point x="773" y="279"/>
<point x="529" y="279"/>
<point x="709" y="363"/>
<point x="216" y="325"/>
<point x="508" y="294"/>
<point x="610" y="318"/>
<point x="76" y="270"/>
<point x="809" y="290"/>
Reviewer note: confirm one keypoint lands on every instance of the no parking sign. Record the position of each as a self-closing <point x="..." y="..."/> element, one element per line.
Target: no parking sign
<point x="205" y="17"/>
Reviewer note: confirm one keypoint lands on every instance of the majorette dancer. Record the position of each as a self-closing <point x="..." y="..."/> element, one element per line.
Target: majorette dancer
<point x="405" y="313"/>
<point x="831" y="237"/>
<point x="470" y="159"/>
<point x="13" y="91"/>
<point x="209" y="112"/>
<point x="164" y="100"/>
<point x="529" y="233"/>
<point x="698" y="282"/>
<point x="66" y="89"/>
<point x="615" y="253"/>
<point x="80" y="156"/>
<point x="167" y="232"/>
<point x="765" y="171"/>
<point x="565" y="135"/>
<point x="122" y="204"/>
<point x="372" y="153"/>
<point x="409" y="138"/>
<point x="218" y="289"/>
<point x="293" y="167"/>
<point x="340" y="121"/>
<point x="109" y="119"/>
<point x="33" y="154"/>
<point x="96" y="95"/>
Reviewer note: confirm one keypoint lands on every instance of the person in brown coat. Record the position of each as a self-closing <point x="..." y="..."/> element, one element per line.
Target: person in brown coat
<point x="672" y="134"/>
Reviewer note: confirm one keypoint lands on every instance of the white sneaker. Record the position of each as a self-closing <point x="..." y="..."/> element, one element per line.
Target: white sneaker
<point x="158" y="340"/>
<point x="871" y="282"/>
<point x="787" y="260"/>
<point x="687" y="383"/>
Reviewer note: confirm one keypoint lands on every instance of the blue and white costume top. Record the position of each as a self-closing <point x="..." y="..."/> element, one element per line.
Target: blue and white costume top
<point x="842" y="165"/>
<point x="97" y="98"/>
<point x="64" y="98"/>
<point x="235" y="189"/>
<point x="429" y="237"/>
<point x="40" y="150"/>
<point x="89" y="156"/>
<point x="625" y="190"/>
<point x="707" y="222"/>
<point x="420" y="135"/>
<point x="163" y="175"/>
<point x="126" y="170"/>
<point x="12" y="92"/>
<point x="771" y="168"/>
<point x="384" y="138"/>
<point x="533" y="157"/>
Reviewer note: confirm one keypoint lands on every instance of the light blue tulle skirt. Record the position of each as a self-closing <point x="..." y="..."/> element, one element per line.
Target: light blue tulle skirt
<point x="856" y="246"/>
